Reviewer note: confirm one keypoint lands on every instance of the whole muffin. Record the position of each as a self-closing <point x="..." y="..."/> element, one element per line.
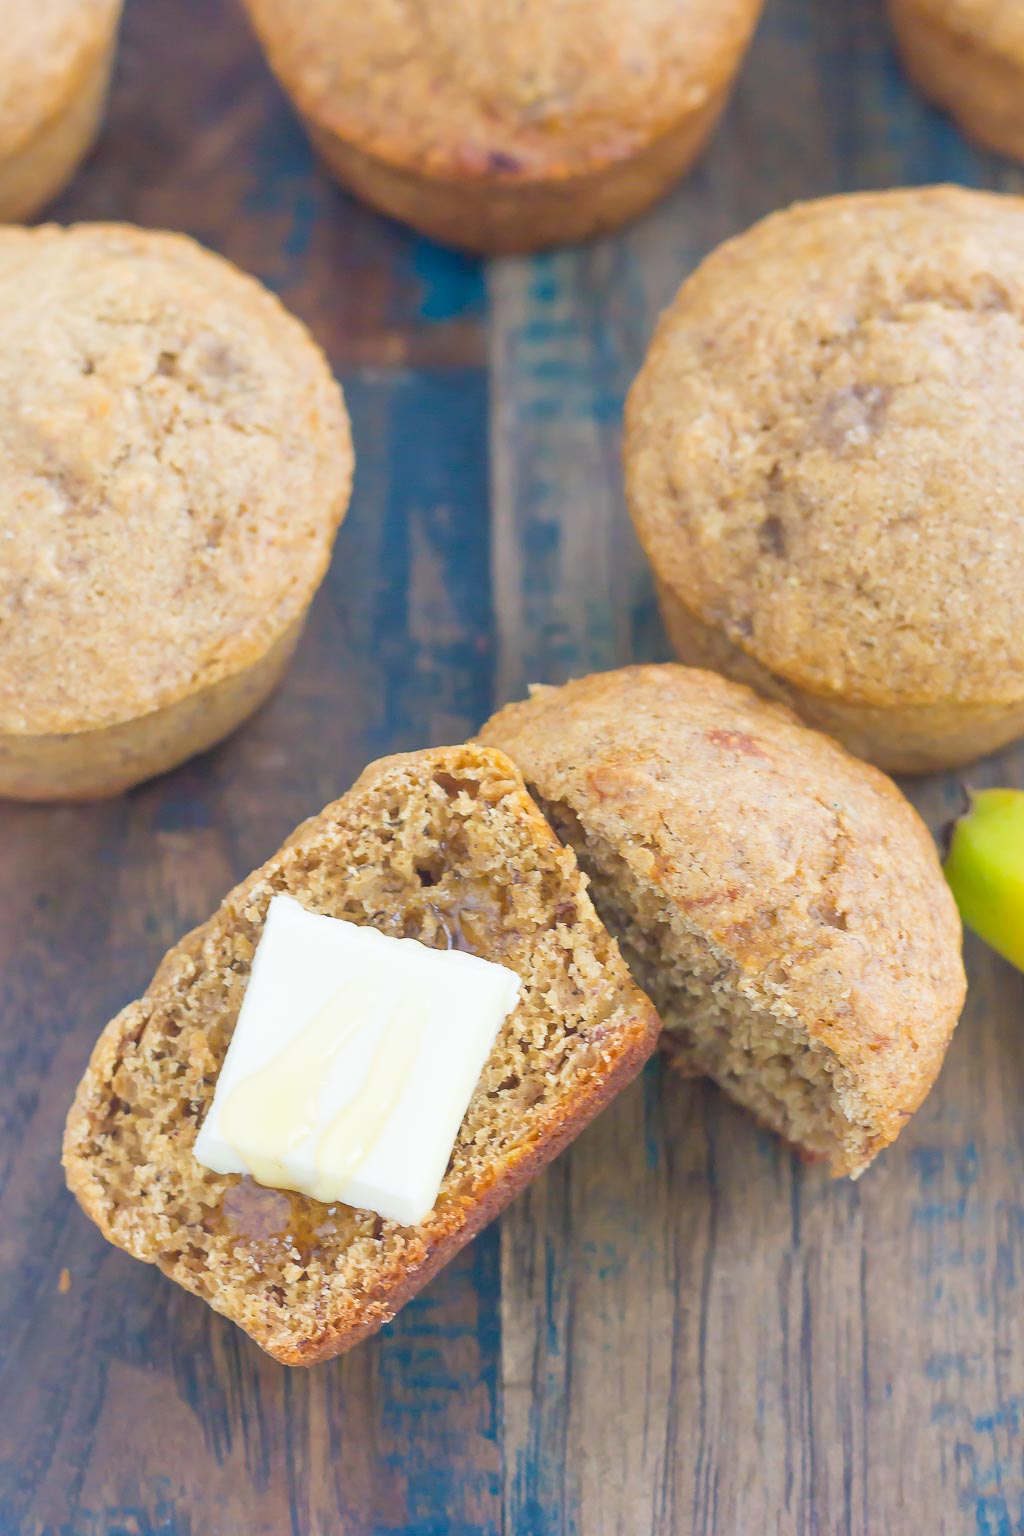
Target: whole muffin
<point x="824" y="462"/>
<point x="55" y="67"/>
<point x="968" y="57"/>
<point x="507" y="125"/>
<point x="780" y="902"/>
<point x="174" y="462"/>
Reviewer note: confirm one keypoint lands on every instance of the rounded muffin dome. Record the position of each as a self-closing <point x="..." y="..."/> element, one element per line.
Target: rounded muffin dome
<point x="968" y="57"/>
<point x="825" y="465"/>
<point x="54" y="71"/>
<point x="450" y="113"/>
<point x="175" y="459"/>
<point x="503" y="86"/>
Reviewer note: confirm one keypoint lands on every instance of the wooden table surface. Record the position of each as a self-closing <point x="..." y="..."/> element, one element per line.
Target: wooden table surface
<point x="678" y="1329"/>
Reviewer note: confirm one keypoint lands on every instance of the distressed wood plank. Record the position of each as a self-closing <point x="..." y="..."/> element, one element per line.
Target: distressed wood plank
<point x="136" y="1402"/>
<point x="694" y="1334"/>
<point x="698" y="1334"/>
<point x="131" y="1407"/>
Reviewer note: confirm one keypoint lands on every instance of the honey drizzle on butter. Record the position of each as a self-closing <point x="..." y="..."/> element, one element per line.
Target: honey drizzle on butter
<point x="278" y="1098"/>
<point x="357" y="1127"/>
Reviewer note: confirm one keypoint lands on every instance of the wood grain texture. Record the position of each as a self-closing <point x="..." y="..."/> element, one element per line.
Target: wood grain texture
<point x="699" y="1335"/>
<point x="678" y="1330"/>
<point x="128" y="1409"/>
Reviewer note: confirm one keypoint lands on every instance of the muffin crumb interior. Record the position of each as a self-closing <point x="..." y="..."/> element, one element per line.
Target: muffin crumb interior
<point x="768" y="1063"/>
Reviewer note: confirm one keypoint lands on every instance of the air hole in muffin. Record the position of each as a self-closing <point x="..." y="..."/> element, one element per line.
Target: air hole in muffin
<point x="430" y="872"/>
<point x="167" y="364"/>
<point x="453" y="786"/>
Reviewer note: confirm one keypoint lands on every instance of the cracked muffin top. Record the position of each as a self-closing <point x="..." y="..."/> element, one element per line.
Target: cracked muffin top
<point x="48" y="46"/>
<point x="825" y="446"/>
<point x="174" y="461"/>
<point x="504" y="88"/>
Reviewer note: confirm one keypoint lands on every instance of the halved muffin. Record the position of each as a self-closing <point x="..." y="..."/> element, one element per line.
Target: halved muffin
<point x="781" y="901"/>
<point x="443" y="846"/>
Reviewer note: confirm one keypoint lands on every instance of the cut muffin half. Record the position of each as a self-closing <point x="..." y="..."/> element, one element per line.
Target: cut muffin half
<point x="444" y="846"/>
<point x="780" y="900"/>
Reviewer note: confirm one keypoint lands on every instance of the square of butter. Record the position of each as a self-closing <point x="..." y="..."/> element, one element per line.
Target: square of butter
<point x="353" y="1062"/>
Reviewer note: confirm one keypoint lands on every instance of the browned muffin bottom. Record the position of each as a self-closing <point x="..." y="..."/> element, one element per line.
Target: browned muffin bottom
<point x="174" y="462"/>
<point x="507" y="125"/>
<point x="968" y="57"/>
<point x="55" y="67"/>
<point x="780" y="901"/>
<point x="824" y="462"/>
<point x="445" y="847"/>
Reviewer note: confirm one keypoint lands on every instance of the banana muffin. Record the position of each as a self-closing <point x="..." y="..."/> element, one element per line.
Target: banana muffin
<point x="509" y="125"/>
<point x="824" y="460"/>
<point x="968" y="57"/>
<point x="446" y="847"/>
<point x="54" y="72"/>
<point x="174" y="462"/>
<point x="779" y="900"/>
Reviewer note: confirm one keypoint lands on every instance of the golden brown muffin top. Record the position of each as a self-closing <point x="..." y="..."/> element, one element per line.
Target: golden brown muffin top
<point x="502" y="88"/>
<point x="997" y="25"/>
<point x="47" y="46"/>
<point x="825" y="446"/>
<point x="803" y="868"/>
<point x="174" y="461"/>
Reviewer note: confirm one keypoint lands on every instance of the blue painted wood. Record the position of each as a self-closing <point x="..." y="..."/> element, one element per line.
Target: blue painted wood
<point x="676" y="1330"/>
<point x="131" y="1407"/>
<point x="137" y="1404"/>
<point x="699" y="1335"/>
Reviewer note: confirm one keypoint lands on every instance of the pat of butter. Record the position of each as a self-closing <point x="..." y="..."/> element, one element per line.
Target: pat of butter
<point x="353" y="1062"/>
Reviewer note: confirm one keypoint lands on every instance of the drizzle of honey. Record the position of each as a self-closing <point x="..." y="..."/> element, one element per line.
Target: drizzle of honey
<point x="356" y="1129"/>
<point x="287" y="1226"/>
<point x="472" y="921"/>
<point x="276" y="1102"/>
<point x="255" y="1212"/>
